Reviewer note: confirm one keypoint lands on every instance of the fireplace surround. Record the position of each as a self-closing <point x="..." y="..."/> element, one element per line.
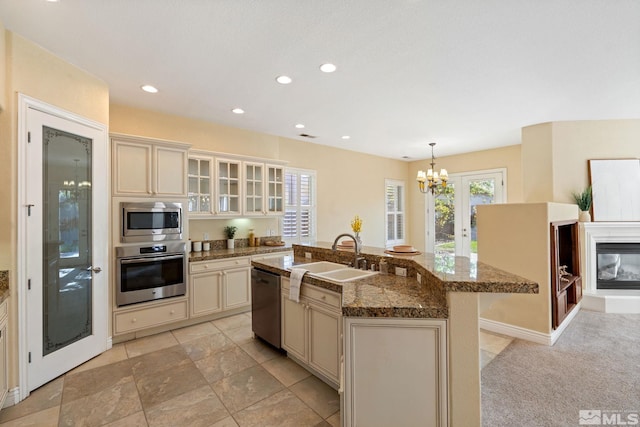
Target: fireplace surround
<point x="619" y="243"/>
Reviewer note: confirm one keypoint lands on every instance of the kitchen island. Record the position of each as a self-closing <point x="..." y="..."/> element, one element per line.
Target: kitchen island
<point x="416" y="339"/>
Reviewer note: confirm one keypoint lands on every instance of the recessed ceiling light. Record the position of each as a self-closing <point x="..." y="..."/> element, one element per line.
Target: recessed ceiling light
<point x="284" y="80"/>
<point x="52" y="1"/>
<point x="346" y="137"/>
<point x="328" y="68"/>
<point x="300" y="126"/>
<point x="149" y="88"/>
<point x="238" y="111"/>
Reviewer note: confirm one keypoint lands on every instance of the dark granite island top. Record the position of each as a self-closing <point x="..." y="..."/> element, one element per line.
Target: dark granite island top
<point x="388" y="295"/>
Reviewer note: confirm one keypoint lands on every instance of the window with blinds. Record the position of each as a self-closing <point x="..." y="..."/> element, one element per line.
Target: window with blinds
<point x="394" y="210"/>
<point x="298" y="224"/>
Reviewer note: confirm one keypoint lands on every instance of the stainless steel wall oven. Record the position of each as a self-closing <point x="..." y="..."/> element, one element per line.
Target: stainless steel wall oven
<point x="150" y="272"/>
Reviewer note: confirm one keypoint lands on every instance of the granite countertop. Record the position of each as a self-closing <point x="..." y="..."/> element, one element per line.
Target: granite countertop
<point x="4" y="285"/>
<point x="237" y="252"/>
<point x="388" y="295"/>
<point x="380" y="295"/>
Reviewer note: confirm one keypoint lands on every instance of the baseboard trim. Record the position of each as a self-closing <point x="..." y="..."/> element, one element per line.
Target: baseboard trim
<point x="13" y="397"/>
<point x="528" y="334"/>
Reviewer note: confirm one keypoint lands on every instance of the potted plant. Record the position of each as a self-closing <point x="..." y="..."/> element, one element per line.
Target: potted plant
<point x="583" y="200"/>
<point x="229" y="232"/>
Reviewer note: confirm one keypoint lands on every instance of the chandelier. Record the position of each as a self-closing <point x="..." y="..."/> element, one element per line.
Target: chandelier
<point x="435" y="183"/>
<point x="74" y="187"/>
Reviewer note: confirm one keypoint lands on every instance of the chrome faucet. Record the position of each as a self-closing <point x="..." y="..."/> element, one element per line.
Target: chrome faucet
<point x="356" y="257"/>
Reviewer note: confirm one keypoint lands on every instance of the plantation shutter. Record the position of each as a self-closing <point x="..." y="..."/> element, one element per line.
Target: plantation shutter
<point x="394" y="207"/>
<point x="298" y="222"/>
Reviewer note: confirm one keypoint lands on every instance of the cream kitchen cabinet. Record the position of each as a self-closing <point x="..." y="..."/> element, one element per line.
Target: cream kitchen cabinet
<point x="263" y="189"/>
<point x="254" y="183"/>
<point x="148" y="315"/>
<point x="275" y="189"/>
<point x="220" y="285"/>
<point x="148" y="168"/>
<point x="228" y="187"/>
<point x="410" y="390"/>
<point x="311" y="329"/>
<point x="4" y="384"/>
<point x="201" y="184"/>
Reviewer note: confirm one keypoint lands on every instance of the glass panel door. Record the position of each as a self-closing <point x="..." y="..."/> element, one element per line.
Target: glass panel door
<point x="63" y="257"/>
<point x="452" y="226"/>
<point x="67" y="281"/>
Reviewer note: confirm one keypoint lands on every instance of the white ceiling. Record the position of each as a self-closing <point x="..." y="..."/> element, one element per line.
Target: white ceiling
<point x="466" y="74"/>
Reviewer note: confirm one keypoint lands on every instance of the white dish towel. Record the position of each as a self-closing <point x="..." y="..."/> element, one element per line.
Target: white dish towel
<point x="294" y="283"/>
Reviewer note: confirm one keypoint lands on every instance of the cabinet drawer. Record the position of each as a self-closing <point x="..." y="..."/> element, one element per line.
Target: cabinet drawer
<point x="314" y="293"/>
<point x="198" y="267"/>
<point x="151" y="316"/>
<point x="320" y="295"/>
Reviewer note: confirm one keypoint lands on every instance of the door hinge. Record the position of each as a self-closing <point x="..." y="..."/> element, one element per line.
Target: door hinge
<point x="29" y="357"/>
<point x="29" y="284"/>
<point x="28" y="136"/>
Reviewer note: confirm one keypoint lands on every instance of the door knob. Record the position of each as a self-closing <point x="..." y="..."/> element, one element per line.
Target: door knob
<point x="96" y="269"/>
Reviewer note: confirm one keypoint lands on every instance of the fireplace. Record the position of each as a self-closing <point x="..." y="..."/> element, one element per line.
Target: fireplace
<point x="610" y="238"/>
<point x="618" y="265"/>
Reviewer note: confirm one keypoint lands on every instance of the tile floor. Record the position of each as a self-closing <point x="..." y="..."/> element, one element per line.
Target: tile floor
<point x="211" y="374"/>
<point x="491" y="344"/>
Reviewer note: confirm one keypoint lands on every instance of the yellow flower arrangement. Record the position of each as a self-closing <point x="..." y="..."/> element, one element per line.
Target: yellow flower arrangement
<point x="356" y="224"/>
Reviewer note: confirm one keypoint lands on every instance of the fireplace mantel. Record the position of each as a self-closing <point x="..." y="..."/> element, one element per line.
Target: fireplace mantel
<point x="606" y="300"/>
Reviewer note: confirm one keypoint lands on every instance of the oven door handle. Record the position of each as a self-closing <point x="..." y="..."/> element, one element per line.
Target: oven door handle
<point x="150" y="259"/>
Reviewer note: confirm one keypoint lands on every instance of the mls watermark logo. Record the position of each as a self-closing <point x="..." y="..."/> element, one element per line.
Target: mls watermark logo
<point x="597" y="417"/>
<point x="590" y="417"/>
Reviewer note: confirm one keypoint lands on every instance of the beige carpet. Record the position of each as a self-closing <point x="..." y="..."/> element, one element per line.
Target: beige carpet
<point x="594" y="365"/>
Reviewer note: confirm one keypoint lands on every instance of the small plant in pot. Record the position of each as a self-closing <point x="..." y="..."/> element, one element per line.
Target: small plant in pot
<point x="583" y="200"/>
<point x="229" y="232"/>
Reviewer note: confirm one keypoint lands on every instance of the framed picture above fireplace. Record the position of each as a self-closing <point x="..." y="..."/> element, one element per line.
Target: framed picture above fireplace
<point x="615" y="185"/>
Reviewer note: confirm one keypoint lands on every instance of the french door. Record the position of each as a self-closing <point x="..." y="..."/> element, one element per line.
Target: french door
<point x="451" y="214"/>
<point x="63" y="261"/>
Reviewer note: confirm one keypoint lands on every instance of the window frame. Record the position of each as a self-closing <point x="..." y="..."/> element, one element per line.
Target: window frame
<point x="311" y="207"/>
<point x="403" y="211"/>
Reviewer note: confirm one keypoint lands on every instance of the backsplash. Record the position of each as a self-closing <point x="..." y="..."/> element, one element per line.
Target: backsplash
<point x="240" y="243"/>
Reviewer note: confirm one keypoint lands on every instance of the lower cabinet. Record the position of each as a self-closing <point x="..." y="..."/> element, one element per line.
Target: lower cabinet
<point x="130" y="320"/>
<point x="4" y="385"/>
<point x="395" y="372"/>
<point x="311" y="329"/>
<point x="216" y="286"/>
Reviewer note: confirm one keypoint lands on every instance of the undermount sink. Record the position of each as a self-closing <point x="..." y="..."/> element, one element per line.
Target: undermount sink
<point x="321" y="266"/>
<point x="334" y="271"/>
<point x="346" y="274"/>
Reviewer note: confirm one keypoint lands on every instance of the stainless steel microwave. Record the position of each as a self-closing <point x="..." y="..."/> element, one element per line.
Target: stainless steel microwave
<point x="151" y="221"/>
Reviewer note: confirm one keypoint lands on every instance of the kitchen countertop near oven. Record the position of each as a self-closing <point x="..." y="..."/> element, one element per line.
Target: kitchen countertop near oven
<point x="4" y="285"/>
<point x="388" y="295"/>
<point x="237" y="252"/>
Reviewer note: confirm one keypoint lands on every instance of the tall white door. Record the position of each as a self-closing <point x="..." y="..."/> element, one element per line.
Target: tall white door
<point x="451" y="214"/>
<point x="65" y="236"/>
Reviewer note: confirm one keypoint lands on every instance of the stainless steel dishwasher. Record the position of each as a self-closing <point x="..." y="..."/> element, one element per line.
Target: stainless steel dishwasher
<point x="265" y="306"/>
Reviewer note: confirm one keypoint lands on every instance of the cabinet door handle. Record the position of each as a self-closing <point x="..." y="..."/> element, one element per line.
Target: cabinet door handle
<point x="134" y="320"/>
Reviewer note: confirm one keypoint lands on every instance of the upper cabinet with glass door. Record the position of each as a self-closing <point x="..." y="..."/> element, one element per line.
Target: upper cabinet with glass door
<point x="275" y="190"/>
<point x="148" y="168"/>
<point x="229" y="184"/>
<point x="200" y="185"/>
<point x="254" y="201"/>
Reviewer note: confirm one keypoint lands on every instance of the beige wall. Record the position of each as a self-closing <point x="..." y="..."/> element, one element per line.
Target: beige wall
<point x="349" y="183"/>
<point x="38" y="74"/>
<point x="516" y="238"/>
<point x="3" y="68"/>
<point x="505" y="157"/>
<point x="555" y="155"/>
